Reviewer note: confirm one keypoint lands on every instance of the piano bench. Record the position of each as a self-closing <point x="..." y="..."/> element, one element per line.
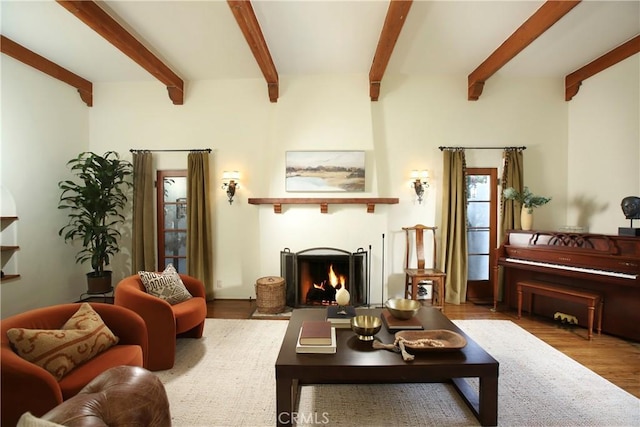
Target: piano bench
<point x="590" y="299"/>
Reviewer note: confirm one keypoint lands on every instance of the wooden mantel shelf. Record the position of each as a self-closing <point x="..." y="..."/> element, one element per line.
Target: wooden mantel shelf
<point x="324" y="202"/>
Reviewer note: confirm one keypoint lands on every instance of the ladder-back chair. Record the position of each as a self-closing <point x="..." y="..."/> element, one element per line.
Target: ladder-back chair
<point x="414" y="276"/>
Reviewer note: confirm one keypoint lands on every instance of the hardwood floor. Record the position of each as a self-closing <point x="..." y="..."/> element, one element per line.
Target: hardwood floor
<point x="613" y="358"/>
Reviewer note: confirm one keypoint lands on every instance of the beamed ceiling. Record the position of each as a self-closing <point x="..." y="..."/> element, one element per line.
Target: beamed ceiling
<point x="174" y="42"/>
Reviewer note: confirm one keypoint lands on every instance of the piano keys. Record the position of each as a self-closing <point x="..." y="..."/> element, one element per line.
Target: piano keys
<point x="609" y="265"/>
<point x="572" y="268"/>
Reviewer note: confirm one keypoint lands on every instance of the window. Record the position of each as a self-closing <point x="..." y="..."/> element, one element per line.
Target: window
<point x="482" y="223"/>
<point x="172" y="219"/>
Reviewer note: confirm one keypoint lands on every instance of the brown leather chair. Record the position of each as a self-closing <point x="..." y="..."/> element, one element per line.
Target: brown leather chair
<point x="164" y="321"/>
<point x="122" y="396"/>
<point x="414" y="276"/>
<point x="26" y="387"/>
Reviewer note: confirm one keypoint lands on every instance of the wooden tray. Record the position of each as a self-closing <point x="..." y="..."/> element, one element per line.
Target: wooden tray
<point x="450" y="340"/>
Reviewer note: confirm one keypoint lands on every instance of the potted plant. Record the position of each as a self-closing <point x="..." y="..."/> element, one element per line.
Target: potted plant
<point x="527" y="201"/>
<point x="95" y="202"/>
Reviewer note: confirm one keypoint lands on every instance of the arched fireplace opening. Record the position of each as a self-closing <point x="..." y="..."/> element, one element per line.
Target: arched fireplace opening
<point x="313" y="276"/>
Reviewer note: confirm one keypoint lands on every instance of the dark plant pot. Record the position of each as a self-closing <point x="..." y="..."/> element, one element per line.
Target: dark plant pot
<point x="99" y="284"/>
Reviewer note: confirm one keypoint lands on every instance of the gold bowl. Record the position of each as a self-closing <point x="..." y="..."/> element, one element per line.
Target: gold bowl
<point x="366" y="326"/>
<point x="401" y="308"/>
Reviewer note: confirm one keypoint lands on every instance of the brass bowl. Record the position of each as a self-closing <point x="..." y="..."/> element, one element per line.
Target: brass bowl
<point x="366" y="326"/>
<point x="401" y="308"/>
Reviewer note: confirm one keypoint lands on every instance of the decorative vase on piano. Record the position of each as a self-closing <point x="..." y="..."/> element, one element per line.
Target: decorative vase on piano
<point x="526" y="218"/>
<point x="528" y="201"/>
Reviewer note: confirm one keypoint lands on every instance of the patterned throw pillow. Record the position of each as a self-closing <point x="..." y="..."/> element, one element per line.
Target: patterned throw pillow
<point x="58" y="351"/>
<point x="166" y="285"/>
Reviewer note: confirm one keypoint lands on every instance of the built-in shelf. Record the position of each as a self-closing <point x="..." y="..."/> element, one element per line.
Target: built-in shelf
<point x="8" y="256"/>
<point x="324" y="202"/>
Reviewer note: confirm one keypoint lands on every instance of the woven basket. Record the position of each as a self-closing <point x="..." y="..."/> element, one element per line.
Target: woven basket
<point x="270" y="295"/>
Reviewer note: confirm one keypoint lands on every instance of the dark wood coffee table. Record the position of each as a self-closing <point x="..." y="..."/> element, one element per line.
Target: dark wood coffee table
<point x="357" y="362"/>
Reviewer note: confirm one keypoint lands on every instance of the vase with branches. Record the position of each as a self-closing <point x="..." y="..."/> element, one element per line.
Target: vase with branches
<point x="528" y="201"/>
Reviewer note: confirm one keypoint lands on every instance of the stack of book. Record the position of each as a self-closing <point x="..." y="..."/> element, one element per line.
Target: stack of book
<point x="394" y="324"/>
<point x="340" y="316"/>
<point x="316" y="336"/>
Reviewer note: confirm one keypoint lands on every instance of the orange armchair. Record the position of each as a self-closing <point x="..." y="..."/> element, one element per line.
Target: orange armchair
<point x="26" y="386"/>
<point x="165" y="322"/>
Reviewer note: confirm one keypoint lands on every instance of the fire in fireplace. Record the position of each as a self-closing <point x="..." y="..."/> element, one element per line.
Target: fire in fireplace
<point x="313" y="276"/>
<point x="320" y="287"/>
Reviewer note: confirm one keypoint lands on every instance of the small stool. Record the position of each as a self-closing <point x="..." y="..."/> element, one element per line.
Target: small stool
<point x="270" y="295"/>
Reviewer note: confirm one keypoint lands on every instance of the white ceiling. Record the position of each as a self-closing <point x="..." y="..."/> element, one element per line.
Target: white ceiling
<point x="201" y="39"/>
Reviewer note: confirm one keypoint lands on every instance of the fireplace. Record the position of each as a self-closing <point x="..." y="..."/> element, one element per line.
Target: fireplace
<point x="313" y="276"/>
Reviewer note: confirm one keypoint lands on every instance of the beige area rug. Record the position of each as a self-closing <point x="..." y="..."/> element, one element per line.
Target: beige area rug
<point x="227" y="378"/>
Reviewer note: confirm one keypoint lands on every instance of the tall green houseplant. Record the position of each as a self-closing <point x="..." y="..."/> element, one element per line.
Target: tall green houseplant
<point x="95" y="201"/>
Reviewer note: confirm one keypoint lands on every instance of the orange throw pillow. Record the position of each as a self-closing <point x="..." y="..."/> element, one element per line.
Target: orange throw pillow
<point x="59" y="351"/>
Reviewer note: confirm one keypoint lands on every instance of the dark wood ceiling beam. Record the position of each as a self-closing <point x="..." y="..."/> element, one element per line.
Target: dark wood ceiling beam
<point x="393" y="23"/>
<point x="573" y="81"/>
<point x="547" y="15"/>
<point x="102" y="23"/>
<point x="40" y="63"/>
<point x="248" y="23"/>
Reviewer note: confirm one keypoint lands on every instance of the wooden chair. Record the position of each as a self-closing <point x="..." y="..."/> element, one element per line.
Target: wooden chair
<point x="414" y="276"/>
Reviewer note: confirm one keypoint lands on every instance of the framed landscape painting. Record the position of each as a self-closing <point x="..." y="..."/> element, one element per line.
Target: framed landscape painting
<point x="325" y="171"/>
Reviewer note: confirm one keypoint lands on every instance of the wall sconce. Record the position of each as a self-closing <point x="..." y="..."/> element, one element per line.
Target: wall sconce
<point x="420" y="182"/>
<point x="230" y="183"/>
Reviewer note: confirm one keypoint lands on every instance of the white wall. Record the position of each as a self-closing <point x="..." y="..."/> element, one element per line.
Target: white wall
<point x="604" y="147"/>
<point x="418" y="114"/>
<point x="399" y="133"/>
<point x="230" y="117"/>
<point x="44" y="124"/>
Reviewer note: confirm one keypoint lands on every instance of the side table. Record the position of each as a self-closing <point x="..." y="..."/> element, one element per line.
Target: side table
<point x="85" y="296"/>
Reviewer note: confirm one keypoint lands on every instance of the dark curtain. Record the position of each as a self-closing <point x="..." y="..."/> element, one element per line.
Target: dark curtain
<point x="512" y="176"/>
<point x="454" y="225"/>
<point x="199" y="226"/>
<point x="144" y="248"/>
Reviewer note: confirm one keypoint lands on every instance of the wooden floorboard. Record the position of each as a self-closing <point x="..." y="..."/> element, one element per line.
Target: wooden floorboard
<point x="613" y="358"/>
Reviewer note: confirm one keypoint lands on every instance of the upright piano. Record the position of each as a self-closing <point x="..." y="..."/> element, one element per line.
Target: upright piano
<point x="609" y="265"/>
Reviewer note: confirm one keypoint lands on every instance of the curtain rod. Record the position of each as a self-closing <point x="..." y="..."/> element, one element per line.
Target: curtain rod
<point x="482" y="148"/>
<point x="134" y="150"/>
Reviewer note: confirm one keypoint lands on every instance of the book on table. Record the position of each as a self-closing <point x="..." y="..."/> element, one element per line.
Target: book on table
<point x="318" y="349"/>
<point x="393" y="324"/>
<point x="340" y="316"/>
<point x="315" y="332"/>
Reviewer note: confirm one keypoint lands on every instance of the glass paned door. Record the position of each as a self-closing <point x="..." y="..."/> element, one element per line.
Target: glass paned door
<point x="172" y="220"/>
<point x="481" y="231"/>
